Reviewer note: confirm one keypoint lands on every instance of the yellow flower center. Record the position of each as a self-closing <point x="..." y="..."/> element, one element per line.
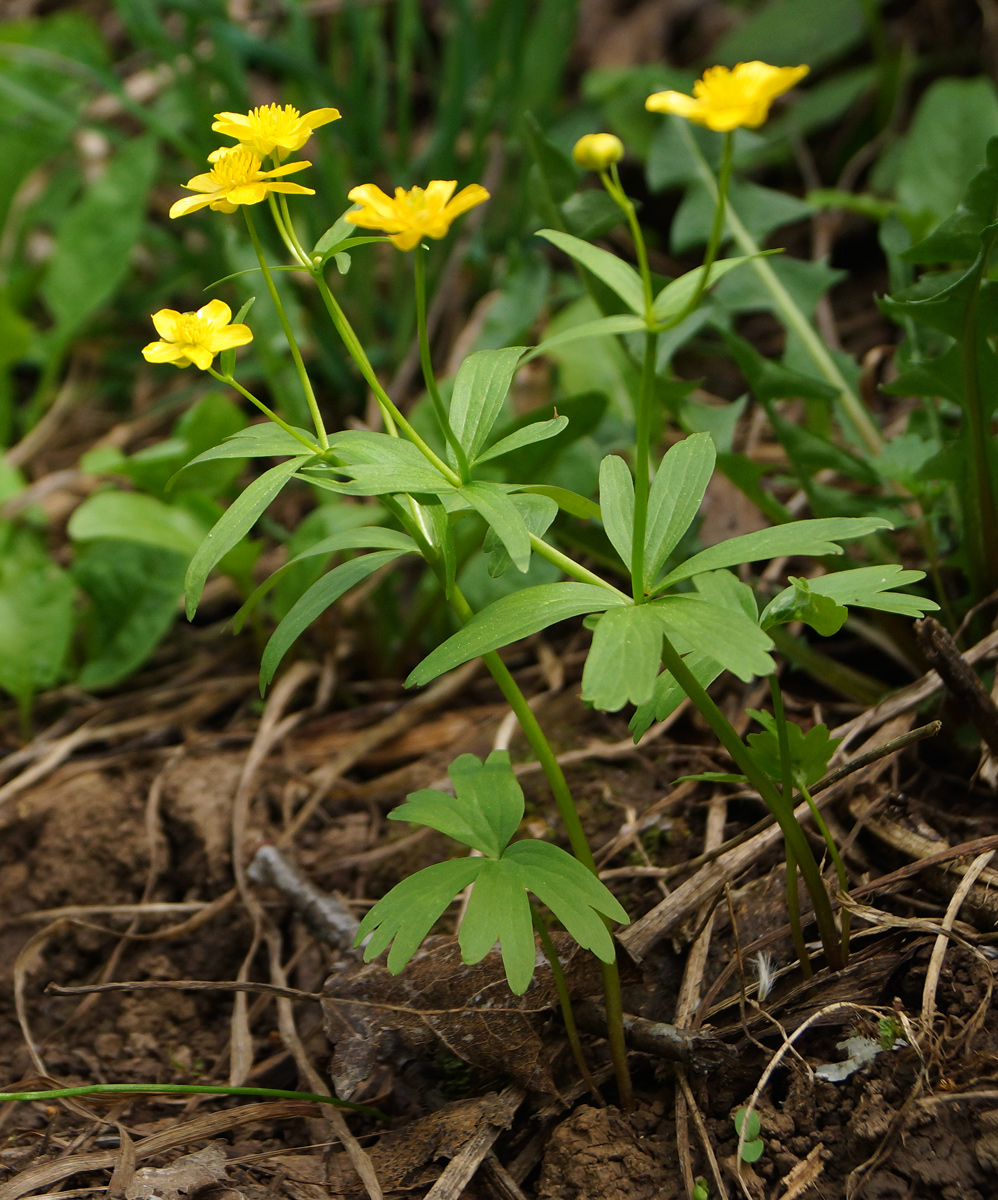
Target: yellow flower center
<point x="192" y="330"/>
<point x="237" y="166"/>
<point x="273" y="121"/>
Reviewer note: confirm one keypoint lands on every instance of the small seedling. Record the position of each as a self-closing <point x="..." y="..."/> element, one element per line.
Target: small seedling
<point x="747" y="1120"/>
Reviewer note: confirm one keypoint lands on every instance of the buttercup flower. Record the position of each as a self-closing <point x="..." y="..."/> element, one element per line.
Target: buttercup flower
<point x="195" y="337"/>
<point x="724" y="100"/>
<point x="414" y="214"/>
<point x="597" y="151"/>
<point x="273" y="129"/>
<point x="235" y="178"/>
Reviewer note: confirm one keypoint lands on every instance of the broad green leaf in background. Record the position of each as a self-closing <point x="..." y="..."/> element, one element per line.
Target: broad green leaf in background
<point x="945" y="145"/>
<point x="789" y="32"/>
<point x="237" y="520"/>
<point x="485" y="811"/>
<point x="513" y="617"/>
<point x="480" y="388"/>
<point x="134" y="590"/>
<point x="133" y="517"/>
<point x="614" y="272"/>
<point x="675" y="497"/>
<point x="316" y="600"/>
<point x="801" y="537"/>
<point x="958" y="238"/>
<point x="94" y="243"/>
<point x="761" y="210"/>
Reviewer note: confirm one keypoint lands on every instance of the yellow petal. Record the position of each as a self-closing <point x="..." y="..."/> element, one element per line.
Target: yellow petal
<point x="674" y="102"/>
<point x="200" y="356"/>
<point x="287" y="169"/>
<point x="439" y="191"/>
<point x="189" y="204"/>
<point x="228" y="338"/>
<point x="244" y="193"/>
<point x="165" y="322"/>
<point x="221" y="204"/>
<point x="216" y="312"/>
<point x="467" y="197"/>
<point x="232" y="124"/>
<point x="202" y="183"/>
<point x="291" y="188"/>
<point x="372" y="197"/>
<point x="320" y="116"/>
<point x="408" y="240"/>
<point x="161" y="352"/>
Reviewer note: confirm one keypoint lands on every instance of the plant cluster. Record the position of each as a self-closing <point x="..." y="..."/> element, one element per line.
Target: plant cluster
<point x="680" y="620"/>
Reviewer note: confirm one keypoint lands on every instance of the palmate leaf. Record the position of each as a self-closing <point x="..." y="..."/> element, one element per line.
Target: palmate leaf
<point x="735" y="641"/>
<point x="624" y="658"/>
<point x="501" y="514"/>
<point x="809" y="752"/>
<point x="537" y="511"/>
<point x="513" y="617"/>
<point x="676" y="494"/>
<point x="315" y="601"/>
<point x="800" y="537"/>
<point x="864" y="587"/>
<point x="237" y="520"/>
<point x="379" y="465"/>
<point x="485" y="811"/>
<point x="484" y="814"/>
<point x="614" y="272"/>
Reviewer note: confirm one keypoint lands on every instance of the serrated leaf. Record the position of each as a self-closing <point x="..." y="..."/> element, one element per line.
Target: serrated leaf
<point x="315" y="601"/>
<point x="613" y="271"/>
<point x="485" y="811"/>
<point x="958" y="238"/>
<point x="237" y="520"/>
<point x="864" y="587"/>
<point x="410" y="910"/>
<point x="603" y="327"/>
<point x="624" y="658"/>
<point x="480" y="388"/>
<point x="511" y="618"/>
<point x="675" y="497"/>
<point x="616" y="501"/>
<point x="675" y="296"/>
<point x="727" y="591"/>
<point x="503" y="517"/>
<point x="799" y="603"/>
<point x="809" y="752"/>
<point x="798" y="537"/>
<point x="736" y="643"/>
<point x="539" y="431"/>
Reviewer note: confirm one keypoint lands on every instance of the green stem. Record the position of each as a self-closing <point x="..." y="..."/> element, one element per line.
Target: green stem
<point x="616" y="190"/>
<point x="791" y="314"/>
<point x="793" y="834"/>
<point x="306" y="383"/>
<point x="186" y="1089"/>
<point x="836" y="857"/>
<point x="268" y="412"/>
<point x="642" y="467"/>
<point x="419" y="274"/>
<point x="289" y="245"/>
<point x="786" y="770"/>
<point x="565" y="1000"/>
<point x="389" y="410"/>
<point x="299" y="250"/>
<point x="573" y="569"/>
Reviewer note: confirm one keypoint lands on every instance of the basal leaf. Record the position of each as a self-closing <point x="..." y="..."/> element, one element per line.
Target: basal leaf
<point x="735" y="642"/>
<point x="540" y="431"/>
<point x="499" y="911"/>
<point x="480" y="388"/>
<point x="133" y="517"/>
<point x="675" y="497"/>
<point x="511" y="618"/>
<point x="616" y="499"/>
<point x="614" y="272"/>
<point x="237" y="520"/>
<point x="624" y="658"/>
<point x="316" y="600"/>
<point x="410" y="910"/>
<point x="603" y="327"/>
<point x="800" y="537"/>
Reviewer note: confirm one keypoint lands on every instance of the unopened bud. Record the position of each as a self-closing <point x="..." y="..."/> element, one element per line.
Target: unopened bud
<point x="597" y="151"/>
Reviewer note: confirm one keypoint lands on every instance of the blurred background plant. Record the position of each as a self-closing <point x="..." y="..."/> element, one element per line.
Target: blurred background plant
<point x="107" y="105"/>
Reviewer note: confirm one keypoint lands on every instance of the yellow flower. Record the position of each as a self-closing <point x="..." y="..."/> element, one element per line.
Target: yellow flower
<point x="195" y="337"/>
<point x="724" y="100"/>
<point x="597" y="151"/>
<point x="272" y="128"/>
<point x="236" y="178"/>
<point x="414" y="214"/>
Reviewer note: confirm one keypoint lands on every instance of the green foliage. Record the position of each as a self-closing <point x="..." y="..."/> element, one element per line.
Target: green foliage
<point x="484" y="814"/>
<point x="747" y="1125"/>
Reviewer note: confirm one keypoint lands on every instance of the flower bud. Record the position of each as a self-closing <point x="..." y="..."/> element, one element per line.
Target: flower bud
<point x="597" y="151"/>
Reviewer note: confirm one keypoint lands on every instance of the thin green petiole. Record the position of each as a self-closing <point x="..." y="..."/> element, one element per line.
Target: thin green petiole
<point x="573" y="569"/>
<point x="268" y="412"/>
<point x="306" y="383"/>
<point x="282" y="229"/>
<point x="419" y="275"/>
